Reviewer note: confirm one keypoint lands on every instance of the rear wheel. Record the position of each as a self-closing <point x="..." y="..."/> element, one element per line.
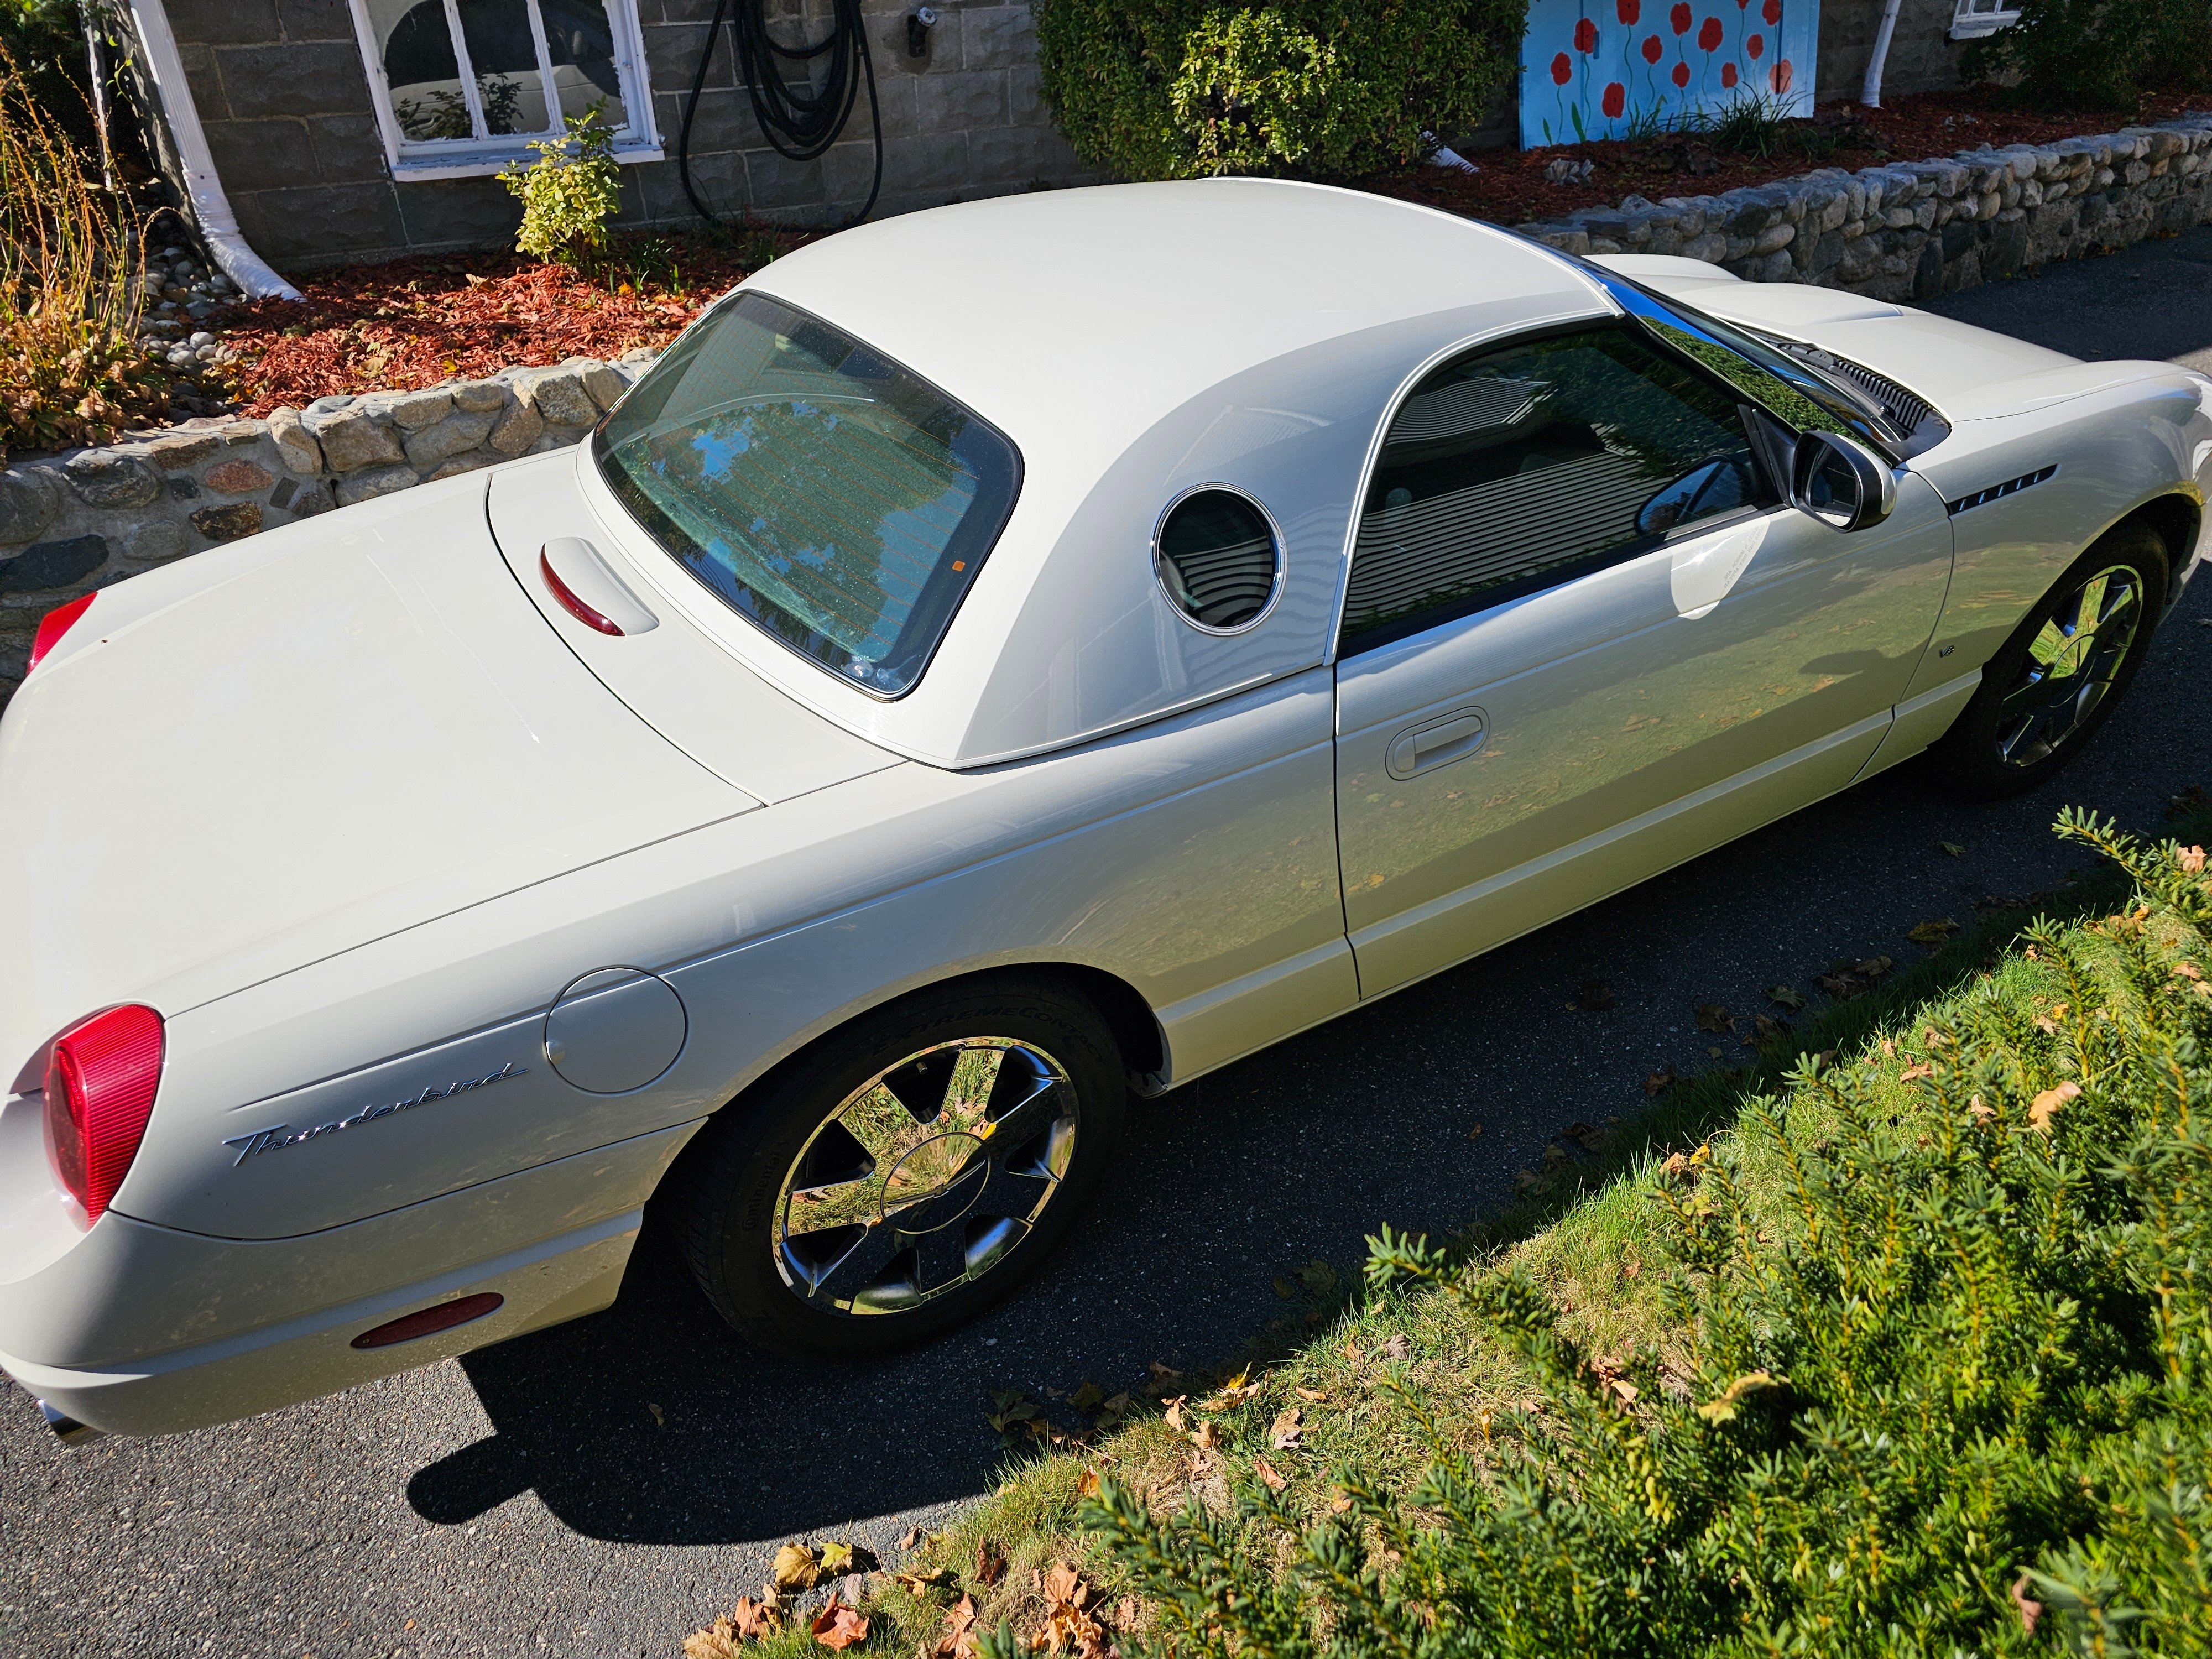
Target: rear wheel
<point x="912" y="1177"/>
<point x="2063" y="671"/>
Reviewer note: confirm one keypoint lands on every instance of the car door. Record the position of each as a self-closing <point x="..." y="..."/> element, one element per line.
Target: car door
<point x="1583" y="639"/>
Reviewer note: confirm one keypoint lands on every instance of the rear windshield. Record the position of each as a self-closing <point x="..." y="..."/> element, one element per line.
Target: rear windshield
<point x="821" y="491"/>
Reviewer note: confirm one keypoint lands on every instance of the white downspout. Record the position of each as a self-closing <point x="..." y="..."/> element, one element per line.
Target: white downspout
<point x="1870" y="93"/>
<point x="211" y="207"/>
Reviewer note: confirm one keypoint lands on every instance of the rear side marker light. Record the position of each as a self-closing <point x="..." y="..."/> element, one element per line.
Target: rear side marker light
<point x="430" y="1320"/>
<point x="574" y="606"/>
<point x="57" y="622"/>
<point x="101" y="1074"/>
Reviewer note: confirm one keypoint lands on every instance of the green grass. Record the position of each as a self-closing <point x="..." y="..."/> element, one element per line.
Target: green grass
<point x="1597" y="1249"/>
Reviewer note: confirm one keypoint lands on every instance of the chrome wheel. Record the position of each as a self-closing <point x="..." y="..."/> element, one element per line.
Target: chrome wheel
<point x="926" y="1177"/>
<point x="2071" y="666"/>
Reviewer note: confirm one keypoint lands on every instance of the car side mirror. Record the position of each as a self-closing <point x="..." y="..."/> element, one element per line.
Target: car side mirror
<point x="1840" y="482"/>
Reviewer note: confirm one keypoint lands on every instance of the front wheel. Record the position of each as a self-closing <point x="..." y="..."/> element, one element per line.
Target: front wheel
<point x="910" y="1172"/>
<point x="2063" y="671"/>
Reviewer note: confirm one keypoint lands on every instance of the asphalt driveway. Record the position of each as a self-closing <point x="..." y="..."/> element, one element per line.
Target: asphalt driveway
<point x="603" y="1488"/>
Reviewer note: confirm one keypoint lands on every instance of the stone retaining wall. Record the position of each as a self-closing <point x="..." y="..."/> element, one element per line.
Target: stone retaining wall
<point x="1913" y="230"/>
<point x="81" y="520"/>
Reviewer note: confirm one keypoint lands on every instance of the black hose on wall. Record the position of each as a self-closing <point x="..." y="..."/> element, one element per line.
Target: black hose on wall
<point x="798" y="122"/>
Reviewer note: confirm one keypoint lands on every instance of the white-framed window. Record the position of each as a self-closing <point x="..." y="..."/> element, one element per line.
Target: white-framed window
<point x="462" y="87"/>
<point x="1975" y="18"/>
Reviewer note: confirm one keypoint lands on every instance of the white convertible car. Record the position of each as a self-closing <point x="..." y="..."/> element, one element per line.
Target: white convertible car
<point x="998" y="659"/>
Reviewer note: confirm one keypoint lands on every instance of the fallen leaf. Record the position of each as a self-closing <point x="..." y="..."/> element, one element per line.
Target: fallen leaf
<point x="1765" y="1028"/>
<point x="795" y="1568"/>
<point x="1626" y="1389"/>
<point x="1660" y="1081"/>
<point x="838" y="1626"/>
<point x="958" y="1639"/>
<point x="1715" y="1054"/>
<point x="1933" y="933"/>
<point x="1315" y="1394"/>
<point x="1952" y="848"/>
<point x="1723" y="1409"/>
<point x="718" y="1641"/>
<point x="910" y="1538"/>
<point x="1475" y="1134"/>
<point x="659" y="1417"/>
<point x="1524" y="1180"/>
<point x="1265" y="1471"/>
<point x="1283" y="1435"/>
<point x="1712" y="1016"/>
<point x="1398" y="1347"/>
<point x="990" y="1565"/>
<point x="2045" y="1107"/>
<point x="1584" y="1135"/>
<point x="1913" y="1073"/>
<point x="1087" y="1397"/>
<point x="1206" y="1436"/>
<point x="1596" y="996"/>
<point x="1086" y="1485"/>
<point x="2031" y="1610"/>
<point x="1114" y="1410"/>
<point x="1339" y="1504"/>
<point x="2192" y="861"/>
<point x="1787" y="997"/>
<point x="836" y="1558"/>
<point x="1286" y="1289"/>
<point x="1873" y="967"/>
<point x="921" y="1583"/>
<point x="755" y="1621"/>
<point x="1318" y="1277"/>
<point x="1235" y="1392"/>
<point x="1175" y="1414"/>
<point x="1352" y="1351"/>
<point x="1981" y="1113"/>
<point x="1163" y="1373"/>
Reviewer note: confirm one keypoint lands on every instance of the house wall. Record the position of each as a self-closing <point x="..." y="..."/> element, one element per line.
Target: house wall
<point x="284" y="96"/>
<point x="1920" y="58"/>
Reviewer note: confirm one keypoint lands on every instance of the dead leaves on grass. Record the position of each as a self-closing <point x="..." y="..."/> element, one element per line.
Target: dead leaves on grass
<point x="838" y="1626"/>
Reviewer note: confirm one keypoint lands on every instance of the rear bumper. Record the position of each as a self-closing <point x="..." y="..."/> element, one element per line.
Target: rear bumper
<point x="140" y="1329"/>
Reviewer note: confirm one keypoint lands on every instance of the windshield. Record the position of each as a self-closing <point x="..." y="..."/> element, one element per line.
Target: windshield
<point x="821" y="491"/>
<point x="1786" y="387"/>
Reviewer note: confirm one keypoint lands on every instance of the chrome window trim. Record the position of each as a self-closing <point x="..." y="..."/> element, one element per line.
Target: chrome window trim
<point x="1274" y="536"/>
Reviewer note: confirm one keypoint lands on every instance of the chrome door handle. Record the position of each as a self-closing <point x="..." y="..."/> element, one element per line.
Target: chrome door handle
<point x="1436" y="743"/>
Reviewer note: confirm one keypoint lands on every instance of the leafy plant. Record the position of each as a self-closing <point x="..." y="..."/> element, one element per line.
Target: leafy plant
<point x="1942" y="1382"/>
<point x="570" y="191"/>
<point x="1183" y="88"/>
<point x="2097" y="54"/>
<point x="71" y="370"/>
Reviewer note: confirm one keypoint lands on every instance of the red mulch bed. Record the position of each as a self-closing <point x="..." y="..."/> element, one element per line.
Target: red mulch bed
<point x="1511" y="189"/>
<point x="415" y="322"/>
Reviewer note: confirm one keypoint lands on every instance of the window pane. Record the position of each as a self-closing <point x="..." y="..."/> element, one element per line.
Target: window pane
<point x="417" y="51"/>
<point x="505" y="59"/>
<point x="818" y="489"/>
<point x="583" y="47"/>
<point x="1511" y="468"/>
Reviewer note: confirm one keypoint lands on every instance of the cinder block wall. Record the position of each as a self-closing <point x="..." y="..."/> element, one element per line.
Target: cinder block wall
<point x="284" y="96"/>
<point x="1920" y="58"/>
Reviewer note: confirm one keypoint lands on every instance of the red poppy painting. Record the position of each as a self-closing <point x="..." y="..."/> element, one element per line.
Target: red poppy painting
<point x="1610" y="73"/>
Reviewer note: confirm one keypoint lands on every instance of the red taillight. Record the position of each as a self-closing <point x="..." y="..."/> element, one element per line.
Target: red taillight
<point x="100" y="1079"/>
<point x="574" y="606"/>
<point x="57" y="622"/>
<point x="430" y="1320"/>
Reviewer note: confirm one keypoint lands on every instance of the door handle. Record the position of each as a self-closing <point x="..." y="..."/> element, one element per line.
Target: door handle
<point x="1436" y="743"/>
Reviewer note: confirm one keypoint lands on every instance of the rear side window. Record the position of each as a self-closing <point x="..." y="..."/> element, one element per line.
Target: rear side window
<point x="1517" y="467"/>
<point x="825" y="493"/>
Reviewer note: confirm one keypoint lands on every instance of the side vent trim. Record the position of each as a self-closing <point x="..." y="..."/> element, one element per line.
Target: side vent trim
<point x="1998" y="492"/>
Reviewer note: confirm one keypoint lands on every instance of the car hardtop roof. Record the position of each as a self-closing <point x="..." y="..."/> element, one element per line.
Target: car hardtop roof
<point x="1114" y="303"/>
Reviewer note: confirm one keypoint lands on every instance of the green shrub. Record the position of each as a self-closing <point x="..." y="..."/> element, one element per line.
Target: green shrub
<point x="569" y="191"/>
<point x="2098" y="54"/>
<point x="1183" y="88"/>
<point x="1942" y="1383"/>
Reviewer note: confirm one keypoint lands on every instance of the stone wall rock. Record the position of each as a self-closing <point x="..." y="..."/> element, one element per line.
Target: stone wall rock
<point x="75" y="522"/>
<point x="1913" y="230"/>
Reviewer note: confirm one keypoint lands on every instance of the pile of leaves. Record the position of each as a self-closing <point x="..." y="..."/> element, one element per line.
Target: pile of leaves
<point x="1937" y="1376"/>
<point x="71" y="369"/>
<point x="413" y="323"/>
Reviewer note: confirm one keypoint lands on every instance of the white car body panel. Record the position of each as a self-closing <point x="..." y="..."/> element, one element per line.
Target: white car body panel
<point x="368" y="800"/>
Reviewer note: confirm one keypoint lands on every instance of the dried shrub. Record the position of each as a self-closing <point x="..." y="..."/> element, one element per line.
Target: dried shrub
<point x="71" y="271"/>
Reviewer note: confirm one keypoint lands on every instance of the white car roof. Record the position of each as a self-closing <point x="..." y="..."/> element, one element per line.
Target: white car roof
<point x="1135" y="340"/>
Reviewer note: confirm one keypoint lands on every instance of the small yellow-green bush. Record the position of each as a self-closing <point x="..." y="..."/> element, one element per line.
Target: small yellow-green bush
<point x="570" y="191"/>
<point x="1183" y="88"/>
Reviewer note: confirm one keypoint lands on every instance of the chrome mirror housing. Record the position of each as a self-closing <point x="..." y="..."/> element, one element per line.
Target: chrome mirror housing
<point x="1840" y="482"/>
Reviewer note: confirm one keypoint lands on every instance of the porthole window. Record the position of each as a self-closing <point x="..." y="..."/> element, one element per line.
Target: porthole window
<point x="1219" y="558"/>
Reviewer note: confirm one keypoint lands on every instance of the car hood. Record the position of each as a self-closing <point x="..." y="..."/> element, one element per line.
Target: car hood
<point x="1966" y="374"/>
<point x="284" y="748"/>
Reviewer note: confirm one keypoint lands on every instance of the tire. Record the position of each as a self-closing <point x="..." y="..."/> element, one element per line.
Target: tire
<point x="797" y="1193"/>
<point x="2064" y="670"/>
